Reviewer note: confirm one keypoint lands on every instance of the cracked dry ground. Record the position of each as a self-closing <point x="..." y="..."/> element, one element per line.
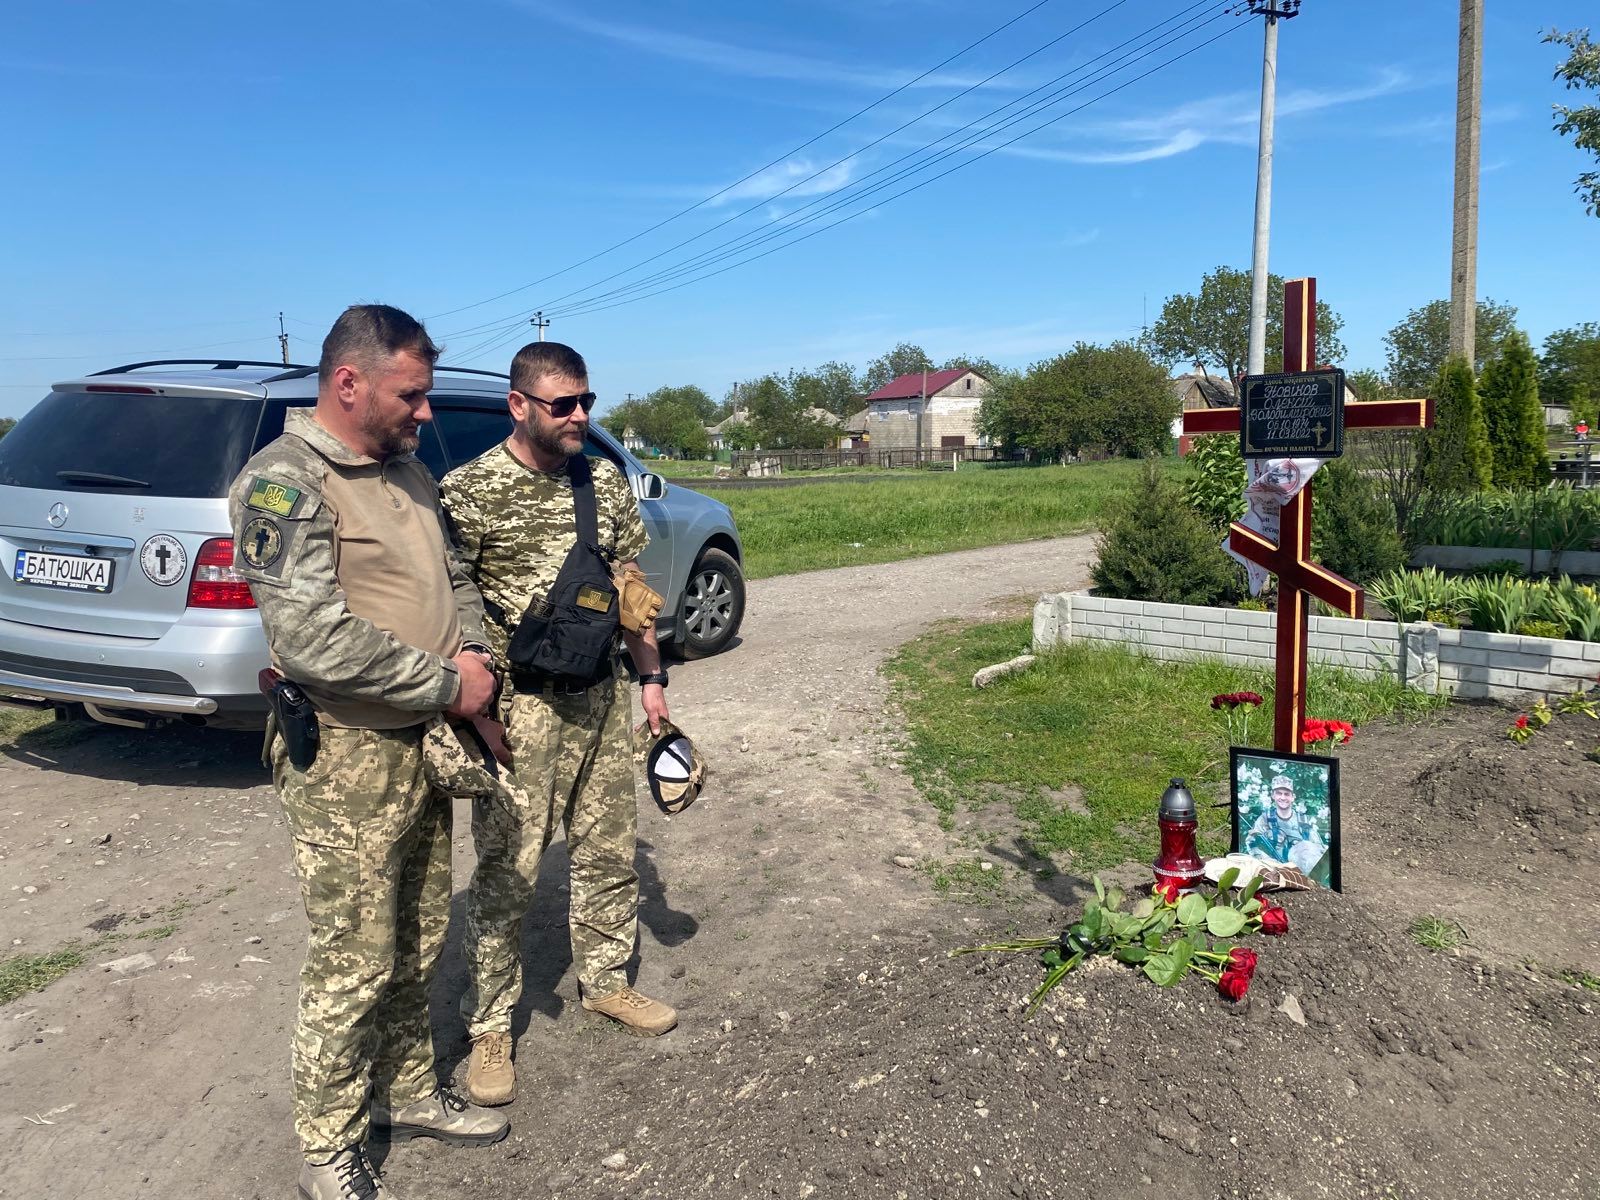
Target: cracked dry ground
<point x="827" y="1047"/>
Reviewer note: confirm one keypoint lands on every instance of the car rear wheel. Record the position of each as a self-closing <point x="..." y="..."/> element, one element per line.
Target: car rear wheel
<point x="713" y="604"/>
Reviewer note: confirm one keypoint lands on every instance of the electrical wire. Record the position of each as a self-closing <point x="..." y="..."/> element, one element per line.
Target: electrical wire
<point x="915" y="187"/>
<point x="767" y="167"/>
<point x="500" y="323"/>
<point x="857" y="191"/>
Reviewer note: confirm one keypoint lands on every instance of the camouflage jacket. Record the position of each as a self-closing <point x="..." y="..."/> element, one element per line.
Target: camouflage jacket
<point x="514" y="526"/>
<point x="293" y="540"/>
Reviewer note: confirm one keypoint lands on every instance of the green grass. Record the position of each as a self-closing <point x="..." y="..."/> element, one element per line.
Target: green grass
<point x="1116" y="725"/>
<point x="24" y="973"/>
<point x="14" y="722"/>
<point x="681" y="468"/>
<point x="1583" y="979"/>
<point x="1436" y="933"/>
<point x="791" y="529"/>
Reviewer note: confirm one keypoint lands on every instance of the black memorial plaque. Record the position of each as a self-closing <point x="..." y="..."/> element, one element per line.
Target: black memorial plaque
<point x="1298" y="415"/>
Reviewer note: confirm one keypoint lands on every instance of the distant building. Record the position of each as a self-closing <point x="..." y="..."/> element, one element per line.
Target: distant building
<point x="940" y="406"/>
<point x="631" y="441"/>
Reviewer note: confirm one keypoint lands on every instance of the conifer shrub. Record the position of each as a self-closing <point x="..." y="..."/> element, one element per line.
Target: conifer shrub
<point x="1353" y="527"/>
<point x="1513" y="416"/>
<point x="1456" y="456"/>
<point x="1154" y="545"/>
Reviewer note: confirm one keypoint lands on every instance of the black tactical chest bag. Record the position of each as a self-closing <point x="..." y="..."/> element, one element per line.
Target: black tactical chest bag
<point x="568" y="638"/>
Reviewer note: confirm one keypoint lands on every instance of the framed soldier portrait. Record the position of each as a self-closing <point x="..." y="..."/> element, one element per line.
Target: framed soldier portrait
<point x="1286" y="811"/>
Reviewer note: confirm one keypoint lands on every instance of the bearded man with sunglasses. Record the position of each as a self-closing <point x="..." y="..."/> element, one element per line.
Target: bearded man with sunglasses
<point x="515" y="515"/>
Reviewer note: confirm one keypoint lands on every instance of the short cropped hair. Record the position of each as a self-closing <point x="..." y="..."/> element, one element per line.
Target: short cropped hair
<point x="538" y="359"/>
<point x="367" y="334"/>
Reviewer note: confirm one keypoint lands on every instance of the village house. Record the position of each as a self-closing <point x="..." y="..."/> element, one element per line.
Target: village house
<point x="939" y="407"/>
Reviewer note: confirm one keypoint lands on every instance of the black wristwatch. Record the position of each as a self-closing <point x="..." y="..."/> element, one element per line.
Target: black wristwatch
<point x="653" y="677"/>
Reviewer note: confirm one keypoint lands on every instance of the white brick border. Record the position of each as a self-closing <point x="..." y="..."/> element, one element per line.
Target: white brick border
<point x="1468" y="663"/>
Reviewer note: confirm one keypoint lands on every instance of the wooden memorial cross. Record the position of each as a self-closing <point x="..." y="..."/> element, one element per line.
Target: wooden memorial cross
<point x="1299" y="578"/>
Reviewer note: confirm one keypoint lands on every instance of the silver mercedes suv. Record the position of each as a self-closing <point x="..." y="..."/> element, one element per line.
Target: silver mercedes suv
<point x="120" y="601"/>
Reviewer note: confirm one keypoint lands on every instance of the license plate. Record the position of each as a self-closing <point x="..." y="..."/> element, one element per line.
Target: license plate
<point x="76" y="572"/>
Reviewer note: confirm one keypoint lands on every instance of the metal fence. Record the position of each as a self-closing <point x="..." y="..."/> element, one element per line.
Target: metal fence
<point x="929" y="457"/>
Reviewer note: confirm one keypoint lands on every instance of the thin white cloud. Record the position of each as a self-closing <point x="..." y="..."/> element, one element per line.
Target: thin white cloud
<point x="1082" y="238"/>
<point x="792" y="178"/>
<point x="733" y="59"/>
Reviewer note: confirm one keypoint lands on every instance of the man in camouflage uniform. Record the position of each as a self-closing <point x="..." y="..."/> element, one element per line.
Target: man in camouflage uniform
<point x="340" y="535"/>
<point x="570" y="749"/>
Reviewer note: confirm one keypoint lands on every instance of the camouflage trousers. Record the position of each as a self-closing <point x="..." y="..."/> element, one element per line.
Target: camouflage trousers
<point x="572" y="763"/>
<point x="371" y="841"/>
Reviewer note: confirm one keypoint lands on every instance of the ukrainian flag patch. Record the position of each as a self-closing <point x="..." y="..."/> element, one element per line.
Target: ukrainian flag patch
<point x="276" y="498"/>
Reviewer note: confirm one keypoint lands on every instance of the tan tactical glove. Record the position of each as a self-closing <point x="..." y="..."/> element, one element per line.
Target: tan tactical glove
<point x="637" y="602"/>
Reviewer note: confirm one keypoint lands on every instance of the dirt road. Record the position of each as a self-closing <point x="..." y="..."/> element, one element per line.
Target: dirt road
<point x="160" y="1067"/>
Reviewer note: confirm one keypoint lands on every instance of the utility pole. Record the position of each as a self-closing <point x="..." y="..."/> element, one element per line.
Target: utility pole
<point x="283" y="341"/>
<point x="921" y="408"/>
<point x="1464" y="237"/>
<point x="1274" y="11"/>
<point x="540" y="322"/>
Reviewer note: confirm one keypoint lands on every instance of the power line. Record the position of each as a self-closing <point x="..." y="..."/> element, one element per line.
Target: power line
<point x="789" y="225"/>
<point x="915" y="187"/>
<point x="767" y="167"/>
<point x="858" y="191"/>
<point x="763" y="202"/>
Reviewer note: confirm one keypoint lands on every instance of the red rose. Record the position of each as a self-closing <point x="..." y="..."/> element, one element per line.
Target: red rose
<point x="1521" y="722"/>
<point x="1233" y="984"/>
<point x="1242" y="959"/>
<point x="1274" y="921"/>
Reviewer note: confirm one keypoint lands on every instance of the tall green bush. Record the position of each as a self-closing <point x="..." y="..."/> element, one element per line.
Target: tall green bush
<point x="1456" y="453"/>
<point x="1156" y="546"/>
<point x="1353" y="530"/>
<point x="1514" y="417"/>
<point x="1217" y="487"/>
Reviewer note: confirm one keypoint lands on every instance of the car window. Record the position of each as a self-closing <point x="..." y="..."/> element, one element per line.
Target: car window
<point x="430" y="452"/>
<point x="468" y="432"/>
<point x="129" y="444"/>
<point x="272" y="418"/>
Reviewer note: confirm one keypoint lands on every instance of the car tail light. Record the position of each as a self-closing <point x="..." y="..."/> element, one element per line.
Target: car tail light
<point x="215" y="584"/>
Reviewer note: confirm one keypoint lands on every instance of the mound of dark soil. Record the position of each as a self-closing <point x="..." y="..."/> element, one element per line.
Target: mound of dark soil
<point x="1359" y="1065"/>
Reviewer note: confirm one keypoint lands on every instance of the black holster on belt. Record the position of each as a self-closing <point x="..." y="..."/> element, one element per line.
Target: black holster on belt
<point x="569" y="637"/>
<point x="291" y="715"/>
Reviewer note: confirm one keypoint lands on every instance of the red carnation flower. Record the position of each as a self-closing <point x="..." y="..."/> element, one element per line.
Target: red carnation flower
<point x="1249" y="698"/>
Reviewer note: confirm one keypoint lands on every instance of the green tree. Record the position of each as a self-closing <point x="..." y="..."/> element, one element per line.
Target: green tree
<point x="1000" y="413"/>
<point x="1571" y="360"/>
<point x="1216" y="490"/>
<point x="1455" y="453"/>
<point x="904" y="359"/>
<point x="1514" y="417"/>
<point x="777" y="418"/>
<point x="1583" y="407"/>
<point x="690" y="396"/>
<point x="1154" y="546"/>
<point x="1113" y="398"/>
<point x="832" y="387"/>
<point x="1419" y="344"/>
<point x="1354" y="531"/>
<point x="1212" y="327"/>
<point x="971" y="362"/>
<point x="1581" y="70"/>
<point x="7" y="424"/>
<point x="1368" y="384"/>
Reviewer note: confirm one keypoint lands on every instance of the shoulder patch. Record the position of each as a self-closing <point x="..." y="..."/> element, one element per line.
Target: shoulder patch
<point x="260" y="542"/>
<point x="279" y="499"/>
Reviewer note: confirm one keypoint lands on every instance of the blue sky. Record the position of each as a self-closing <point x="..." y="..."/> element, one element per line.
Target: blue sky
<point x="181" y="172"/>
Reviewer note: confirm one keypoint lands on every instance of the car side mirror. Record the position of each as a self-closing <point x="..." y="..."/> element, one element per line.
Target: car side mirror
<point x="649" y="486"/>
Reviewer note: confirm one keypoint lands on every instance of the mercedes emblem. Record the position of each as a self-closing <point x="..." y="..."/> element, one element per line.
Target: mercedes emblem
<point x="58" y="515"/>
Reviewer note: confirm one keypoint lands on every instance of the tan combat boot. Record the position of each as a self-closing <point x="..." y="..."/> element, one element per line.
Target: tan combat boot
<point x="347" y="1175"/>
<point x="491" y="1079"/>
<point x="635" y="1012"/>
<point x="445" y="1116"/>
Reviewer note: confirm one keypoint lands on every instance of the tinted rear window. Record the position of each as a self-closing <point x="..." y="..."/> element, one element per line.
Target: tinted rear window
<point x="182" y="446"/>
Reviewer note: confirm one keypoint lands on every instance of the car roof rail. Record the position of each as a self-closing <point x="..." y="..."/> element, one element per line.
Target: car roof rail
<point x="216" y="364"/>
<point x="291" y="373"/>
<point x="473" y="371"/>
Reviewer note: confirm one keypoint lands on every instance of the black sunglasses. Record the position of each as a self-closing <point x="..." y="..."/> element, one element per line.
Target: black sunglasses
<point x="562" y="406"/>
